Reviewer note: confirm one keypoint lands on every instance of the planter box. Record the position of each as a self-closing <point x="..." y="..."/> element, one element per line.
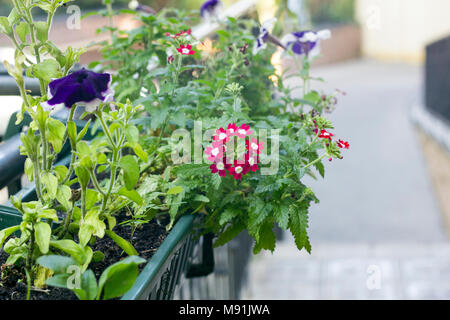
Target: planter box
<point x="162" y="273"/>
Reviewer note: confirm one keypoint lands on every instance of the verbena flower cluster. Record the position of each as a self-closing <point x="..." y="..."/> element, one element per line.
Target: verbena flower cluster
<point x="223" y="146"/>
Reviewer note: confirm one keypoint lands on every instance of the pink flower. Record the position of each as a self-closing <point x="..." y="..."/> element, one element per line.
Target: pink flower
<point x="254" y="146"/>
<point x="244" y="130"/>
<point x="216" y="151"/>
<point x="222" y="135"/>
<point x="325" y="134"/>
<point x="232" y="129"/>
<point x="185" y="49"/>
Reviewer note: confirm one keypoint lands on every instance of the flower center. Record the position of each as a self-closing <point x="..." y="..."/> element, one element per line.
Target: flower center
<point x="220" y="166"/>
<point x="254" y="146"/>
<point x="238" y="169"/>
<point x="222" y="136"/>
<point x="251" y="161"/>
<point x="242" y="131"/>
<point x="185" y="51"/>
<point x="80" y="78"/>
<point x="215" y="151"/>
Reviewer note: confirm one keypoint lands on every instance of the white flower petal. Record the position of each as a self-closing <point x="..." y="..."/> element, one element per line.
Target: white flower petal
<point x="133" y="5"/>
<point x="324" y="34"/>
<point x="288" y="38"/>
<point x="268" y="24"/>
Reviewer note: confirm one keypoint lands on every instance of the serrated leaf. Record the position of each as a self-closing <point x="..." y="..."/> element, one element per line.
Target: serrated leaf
<point x="227" y="215"/>
<point x="298" y="225"/>
<point x="266" y="239"/>
<point x="281" y="214"/>
<point x="229" y="234"/>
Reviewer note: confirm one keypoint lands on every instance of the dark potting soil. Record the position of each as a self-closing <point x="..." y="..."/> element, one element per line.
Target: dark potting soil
<point x="147" y="239"/>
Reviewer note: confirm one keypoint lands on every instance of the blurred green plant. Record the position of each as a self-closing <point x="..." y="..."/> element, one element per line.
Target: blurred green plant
<point x="331" y="12"/>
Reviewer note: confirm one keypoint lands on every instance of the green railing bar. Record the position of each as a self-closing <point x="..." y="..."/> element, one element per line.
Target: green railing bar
<point x="157" y="264"/>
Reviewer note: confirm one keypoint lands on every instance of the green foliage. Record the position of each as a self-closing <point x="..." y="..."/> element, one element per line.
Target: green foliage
<point x="128" y="166"/>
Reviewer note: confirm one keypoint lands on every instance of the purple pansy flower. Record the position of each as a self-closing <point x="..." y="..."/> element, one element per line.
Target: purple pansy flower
<point x="305" y="42"/>
<point x="82" y="87"/>
<point x="210" y="9"/>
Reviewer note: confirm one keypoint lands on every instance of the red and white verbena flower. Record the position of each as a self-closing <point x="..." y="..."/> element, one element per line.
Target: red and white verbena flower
<point x="185" y="49"/>
<point x="325" y="134"/>
<point x="247" y="161"/>
<point x="343" y="144"/>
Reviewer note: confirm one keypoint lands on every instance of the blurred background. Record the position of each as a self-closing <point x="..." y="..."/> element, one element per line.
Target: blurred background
<point x="381" y="228"/>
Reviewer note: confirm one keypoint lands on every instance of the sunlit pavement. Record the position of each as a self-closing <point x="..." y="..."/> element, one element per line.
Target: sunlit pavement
<point x="377" y="232"/>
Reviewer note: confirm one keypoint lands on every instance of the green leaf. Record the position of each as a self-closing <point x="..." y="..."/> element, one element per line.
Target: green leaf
<point x="70" y="247"/>
<point x="227" y="215"/>
<point x="41" y="30"/>
<point x="298" y="225"/>
<point x="89" y="288"/>
<point x="58" y="264"/>
<point x="229" y="234"/>
<point x="5" y="27"/>
<point x="42" y="233"/>
<point x="55" y="133"/>
<point x="132" y="134"/>
<point x="124" y="244"/>
<point x="72" y="131"/>
<point x="130" y="169"/>
<point x="133" y="195"/>
<point x="158" y="117"/>
<point x="50" y="182"/>
<point x="5" y="233"/>
<point x="281" y="214"/>
<point x="118" y="278"/>
<point x="83" y="176"/>
<point x="61" y="172"/>
<point x="13" y="17"/>
<point x="140" y="152"/>
<point x="266" y="237"/>
<point x="47" y="70"/>
<point x="83" y="131"/>
<point x="175" y="190"/>
<point x="201" y="198"/>
<point x="29" y="169"/>
<point x="22" y="30"/>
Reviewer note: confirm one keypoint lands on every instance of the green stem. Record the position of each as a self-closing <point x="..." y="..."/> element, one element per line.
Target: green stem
<point x="95" y="182"/>
<point x="106" y="129"/>
<point x="83" y="203"/>
<point x="67" y="220"/>
<point x="315" y="161"/>
<point x="112" y="180"/>
<point x="27" y="273"/>
<point x="37" y="180"/>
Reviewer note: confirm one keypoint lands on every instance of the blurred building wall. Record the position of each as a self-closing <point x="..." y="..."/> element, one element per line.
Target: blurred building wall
<point x="400" y="29"/>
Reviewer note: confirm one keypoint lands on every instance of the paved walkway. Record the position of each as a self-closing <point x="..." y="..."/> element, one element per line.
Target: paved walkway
<point x="378" y="217"/>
